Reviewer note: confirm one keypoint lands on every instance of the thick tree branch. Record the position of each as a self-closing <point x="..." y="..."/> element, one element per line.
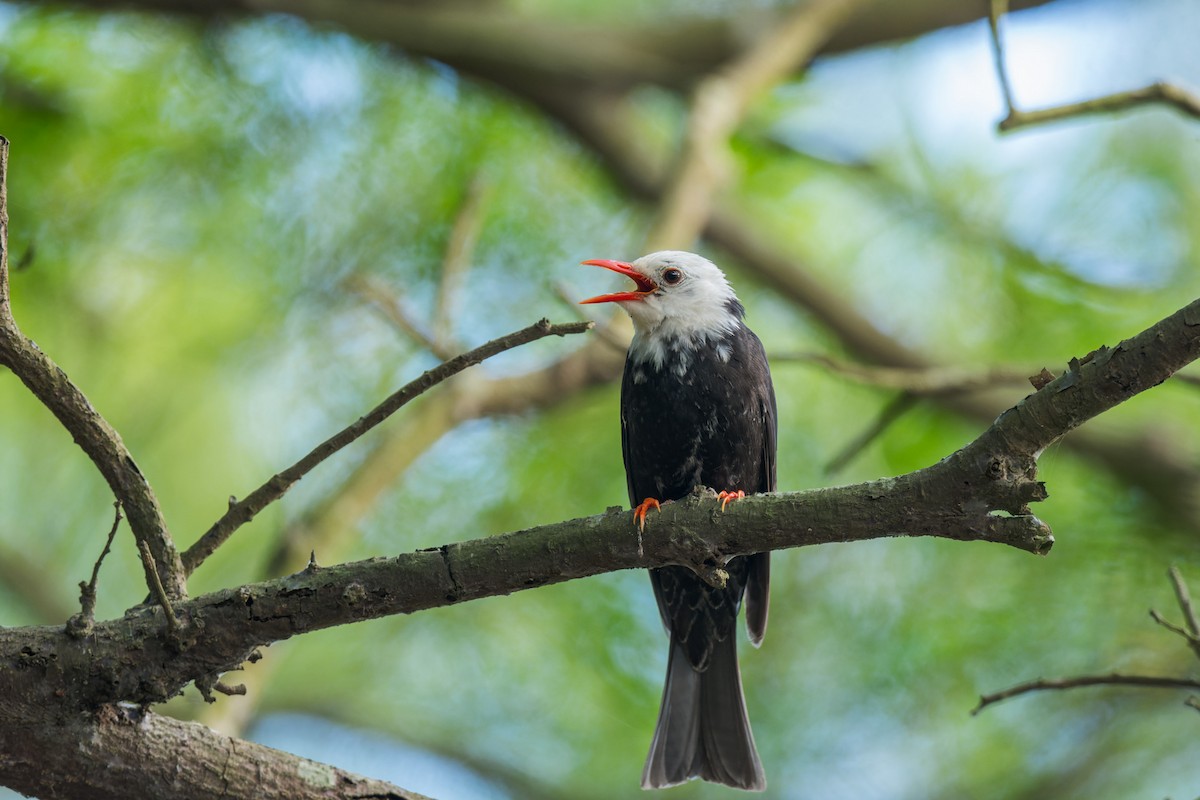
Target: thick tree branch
<point x="91" y="432"/>
<point x="604" y="122"/>
<point x="493" y="43"/>
<point x="243" y="511"/>
<point x="123" y="752"/>
<point x="980" y="493"/>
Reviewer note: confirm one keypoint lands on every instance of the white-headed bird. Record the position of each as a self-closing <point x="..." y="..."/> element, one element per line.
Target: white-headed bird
<point x="697" y="409"/>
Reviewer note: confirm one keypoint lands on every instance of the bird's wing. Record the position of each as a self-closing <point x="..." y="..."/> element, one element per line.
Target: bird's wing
<point x="626" y="382"/>
<point x="758" y="578"/>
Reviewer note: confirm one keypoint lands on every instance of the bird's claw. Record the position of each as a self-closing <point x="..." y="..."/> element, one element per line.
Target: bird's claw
<point x="728" y="497"/>
<point x="643" y="509"/>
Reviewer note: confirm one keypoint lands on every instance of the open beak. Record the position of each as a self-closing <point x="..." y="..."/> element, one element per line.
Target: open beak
<point x="645" y="286"/>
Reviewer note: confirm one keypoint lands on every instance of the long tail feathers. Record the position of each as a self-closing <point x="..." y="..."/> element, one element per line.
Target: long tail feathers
<point x="703" y="730"/>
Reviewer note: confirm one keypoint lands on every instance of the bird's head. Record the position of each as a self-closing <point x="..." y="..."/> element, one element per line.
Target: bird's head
<point x="677" y="294"/>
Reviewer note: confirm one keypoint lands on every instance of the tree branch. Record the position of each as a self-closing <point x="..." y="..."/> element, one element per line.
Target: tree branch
<point x="241" y="512"/>
<point x="491" y="42"/>
<point x="980" y="493"/>
<point x="929" y="380"/>
<point x="81" y="623"/>
<point x="456" y="261"/>
<point x="124" y="752"/>
<point x="91" y="432"/>
<point x="1160" y="92"/>
<point x="604" y="122"/>
<point x="719" y="104"/>
<point x="1113" y="679"/>
<point x="1192" y="637"/>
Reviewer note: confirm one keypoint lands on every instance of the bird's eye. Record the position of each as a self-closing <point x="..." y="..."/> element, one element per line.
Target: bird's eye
<point x="672" y="276"/>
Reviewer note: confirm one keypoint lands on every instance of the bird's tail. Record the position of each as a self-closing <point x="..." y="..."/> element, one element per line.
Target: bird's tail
<point x="703" y="730"/>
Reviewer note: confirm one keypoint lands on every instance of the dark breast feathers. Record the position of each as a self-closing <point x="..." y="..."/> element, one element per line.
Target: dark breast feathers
<point x="712" y="424"/>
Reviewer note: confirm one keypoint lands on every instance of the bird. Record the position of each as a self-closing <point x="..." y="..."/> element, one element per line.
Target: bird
<point x="697" y="409"/>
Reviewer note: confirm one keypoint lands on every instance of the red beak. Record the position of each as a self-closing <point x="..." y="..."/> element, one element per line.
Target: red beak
<point x="645" y="286"/>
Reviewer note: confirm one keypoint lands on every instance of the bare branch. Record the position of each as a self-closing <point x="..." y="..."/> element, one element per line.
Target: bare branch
<point x="887" y="415"/>
<point x="81" y="623"/>
<point x="159" y="593"/>
<point x="928" y="380"/>
<point x="1113" y="679"/>
<point x="1185" y="600"/>
<point x="378" y="294"/>
<point x="1192" y="637"/>
<point x="996" y="11"/>
<point x="1161" y="92"/>
<point x="719" y="104"/>
<point x="4" y="300"/>
<point x="243" y="511"/>
<point x="47" y="381"/>
<point x="1187" y="635"/>
<point x="457" y="260"/>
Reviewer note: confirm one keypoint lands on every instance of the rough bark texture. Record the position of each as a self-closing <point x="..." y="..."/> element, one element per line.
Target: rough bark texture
<point x="121" y="751"/>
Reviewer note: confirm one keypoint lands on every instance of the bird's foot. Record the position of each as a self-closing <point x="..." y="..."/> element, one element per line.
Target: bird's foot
<point x="642" y="510"/>
<point x="728" y="497"/>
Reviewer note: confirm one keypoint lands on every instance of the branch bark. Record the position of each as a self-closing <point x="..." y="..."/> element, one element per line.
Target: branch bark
<point x="1113" y="679"/>
<point x="103" y="445"/>
<point x="122" y="752"/>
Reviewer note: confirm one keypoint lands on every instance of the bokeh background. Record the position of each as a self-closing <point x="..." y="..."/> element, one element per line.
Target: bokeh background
<point x="224" y="227"/>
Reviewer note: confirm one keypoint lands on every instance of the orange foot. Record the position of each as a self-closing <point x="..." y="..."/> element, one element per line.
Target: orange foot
<point x="728" y="497"/>
<point x="642" y="510"/>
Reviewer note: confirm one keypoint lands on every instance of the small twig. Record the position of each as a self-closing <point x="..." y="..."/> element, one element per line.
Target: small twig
<point x="4" y="307"/>
<point x="1160" y="92"/>
<point x="456" y="262"/>
<point x="1193" y="701"/>
<point x="81" y="623"/>
<point x="375" y="292"/>
<point x="998" y="9"/>
<point x="159" y="592"/>
<point x="1168" y="94"/>
<point x="889" y="414"/>
<point x="919" y="381"/>
<point x="1190" y="637"/>
<point x="245" y="510"/>
<point x="605" y="331"/>
<point x="1185" y="600"/>
<point x="1114" y="679"/>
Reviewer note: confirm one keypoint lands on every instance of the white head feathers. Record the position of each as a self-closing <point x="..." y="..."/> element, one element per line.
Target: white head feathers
<point x="693" y="306"/>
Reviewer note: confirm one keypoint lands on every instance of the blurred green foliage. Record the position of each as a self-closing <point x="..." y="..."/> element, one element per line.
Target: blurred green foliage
<point x="193" y="198"/>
